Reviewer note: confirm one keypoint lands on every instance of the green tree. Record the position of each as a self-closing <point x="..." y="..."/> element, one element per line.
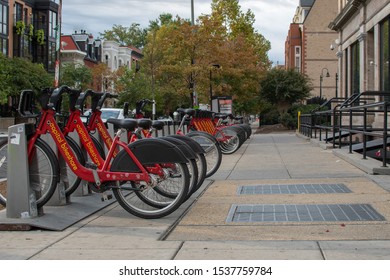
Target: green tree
<point x="178" y="55"/>
<point x="76" y="75"/>
<point x="17" y="74"/>
<point x="285" y="87"/>
<point x="133" y="35"/>
<point x="132" y="87"/>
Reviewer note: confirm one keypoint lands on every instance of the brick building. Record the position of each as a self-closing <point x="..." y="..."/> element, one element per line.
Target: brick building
<point x="308" y="45"/>
<point x="30" y="29"/>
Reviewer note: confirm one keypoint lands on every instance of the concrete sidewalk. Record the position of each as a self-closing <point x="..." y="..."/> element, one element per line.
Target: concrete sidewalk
<point x="223" y="220"/>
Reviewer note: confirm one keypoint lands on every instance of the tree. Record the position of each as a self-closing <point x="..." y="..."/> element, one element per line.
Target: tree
<point x="126" y="36"/>
<point x="17" y="74"/>
<point x="178" y="55"/>
<point x="285" y="87"/>
<point x="76" y="75"/>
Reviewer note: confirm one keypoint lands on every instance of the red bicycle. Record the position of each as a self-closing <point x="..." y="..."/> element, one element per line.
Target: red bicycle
<point x="133" y="164"/>
<point x="196" y="160"/>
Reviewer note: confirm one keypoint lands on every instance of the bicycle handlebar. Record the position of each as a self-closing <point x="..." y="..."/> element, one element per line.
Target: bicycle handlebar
<point x="56" y="97"/>
<point x="104" y="97"/>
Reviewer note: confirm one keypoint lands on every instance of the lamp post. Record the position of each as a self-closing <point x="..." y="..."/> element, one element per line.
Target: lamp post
<point x="192" y="13"/>
<point x="322" y="77"/>
<point x="337" y="84"/>
<point x="194" y="99"/>
<point x="211" y="86"/>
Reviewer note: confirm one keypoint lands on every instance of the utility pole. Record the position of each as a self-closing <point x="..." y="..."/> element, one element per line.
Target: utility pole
<point x="192" y="82"/>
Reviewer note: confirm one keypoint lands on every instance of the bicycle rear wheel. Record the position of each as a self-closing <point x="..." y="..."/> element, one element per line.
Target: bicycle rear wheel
<point x="212" y="150"/>
<point x="43" y="171"/>
<point x="130" y="199"/>
<point x="229" y="140"/>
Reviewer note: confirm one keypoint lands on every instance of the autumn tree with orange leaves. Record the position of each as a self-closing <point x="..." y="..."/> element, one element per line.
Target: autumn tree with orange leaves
<point x="178" y="53"/>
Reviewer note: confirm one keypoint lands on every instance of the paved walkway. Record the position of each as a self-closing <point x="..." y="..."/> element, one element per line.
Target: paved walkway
<point x="223" y="220"/>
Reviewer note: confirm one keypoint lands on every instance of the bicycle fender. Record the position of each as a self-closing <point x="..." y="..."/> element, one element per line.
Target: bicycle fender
<point x="195" y="146"/>
<point x="187" y="151"/>
<point x="148" y="151"/>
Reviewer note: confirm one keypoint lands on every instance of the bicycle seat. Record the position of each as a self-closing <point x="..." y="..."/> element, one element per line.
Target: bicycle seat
<point x="159" y="125"/>
<point x="128" y="124"/>
<point x="145" y="123"/>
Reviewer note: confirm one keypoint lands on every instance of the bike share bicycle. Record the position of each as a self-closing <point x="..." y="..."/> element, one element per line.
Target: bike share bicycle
<point x="194" y="154"/>
<point x="209" y="144"/>
<point x="134" y="162"/>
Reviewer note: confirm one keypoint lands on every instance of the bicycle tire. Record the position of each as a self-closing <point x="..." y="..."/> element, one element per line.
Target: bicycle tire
<point x="3" y="169"/>
<point x="135" y="206"/>
<point x="212" y="150"/>
<point x="200" y="157"/>
<point x="43" y="171"/>
<point x="192" y="165"/>
<point x="193" y="172"/>
<point x="230" y="145"/>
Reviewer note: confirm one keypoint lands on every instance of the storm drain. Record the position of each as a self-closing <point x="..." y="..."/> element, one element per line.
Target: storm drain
<point x="302" y="213"/>
<point x="292" y="189"/>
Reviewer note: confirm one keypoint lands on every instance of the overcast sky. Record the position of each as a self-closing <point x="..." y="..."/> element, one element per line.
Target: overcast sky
<point x="272" y="16"/>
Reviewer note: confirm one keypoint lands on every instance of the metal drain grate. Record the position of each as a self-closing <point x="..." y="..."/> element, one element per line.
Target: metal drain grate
<point x="302" y="213"/>
<point x="292" y="189"/>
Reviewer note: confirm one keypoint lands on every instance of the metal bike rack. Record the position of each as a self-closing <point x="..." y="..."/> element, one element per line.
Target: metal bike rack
<point x="21" y="199"/>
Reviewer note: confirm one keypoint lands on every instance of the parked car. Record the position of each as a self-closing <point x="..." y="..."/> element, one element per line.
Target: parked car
<point x="107" y="113"/>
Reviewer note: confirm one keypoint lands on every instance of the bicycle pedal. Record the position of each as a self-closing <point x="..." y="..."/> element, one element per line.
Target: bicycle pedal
<point x="106" y="197"/>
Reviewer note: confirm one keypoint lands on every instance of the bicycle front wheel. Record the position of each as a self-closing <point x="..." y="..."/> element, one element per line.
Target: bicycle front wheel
<point x="43" y="171"/>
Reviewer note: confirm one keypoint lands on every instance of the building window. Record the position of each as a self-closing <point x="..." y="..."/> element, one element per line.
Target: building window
<point x="51" y="57"/>
<point x="3" y="28"/>
<point x="18" y="12"/>
<point x="384" y="55"/>
<point x="298" y="59"/>
<point x="52" y="24"/>
<point x="346" y="73"/>
<point x="355" y="68"/>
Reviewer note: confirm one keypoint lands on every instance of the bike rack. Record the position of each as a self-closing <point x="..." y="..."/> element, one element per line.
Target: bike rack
<point x="21" y="199"/>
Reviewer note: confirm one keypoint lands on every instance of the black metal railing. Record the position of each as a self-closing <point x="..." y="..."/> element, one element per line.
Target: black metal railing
<point x="365" y="130"/>
<point x="347" y="118"/>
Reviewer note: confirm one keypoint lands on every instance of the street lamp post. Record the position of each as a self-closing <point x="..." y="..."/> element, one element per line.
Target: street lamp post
<point x="192" y="13"/>
<point x="211" y="86"/>
<point x="322" y="77"/>
<point x="194" y="99"/>
<point x="337" y="84"/>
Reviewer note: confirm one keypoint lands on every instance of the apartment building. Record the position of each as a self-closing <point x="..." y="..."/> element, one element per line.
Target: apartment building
<point x="81" y="48"/>
<point x="293" y="46"/>
<point x="308" y="45"/>
<point x="31" y="29"/>
<point x="363" y="45"/>
<point x="115" y="55"/>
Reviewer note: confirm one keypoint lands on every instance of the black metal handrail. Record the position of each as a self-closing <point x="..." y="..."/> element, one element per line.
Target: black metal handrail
<point x="379" y="107"/>
<point x="329" y="120"/>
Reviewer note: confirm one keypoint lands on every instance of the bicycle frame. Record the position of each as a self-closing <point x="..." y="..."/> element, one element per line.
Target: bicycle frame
<point x="205" y="125"/>
<point x="96" y="123"/>
<point x="102" y="174"/>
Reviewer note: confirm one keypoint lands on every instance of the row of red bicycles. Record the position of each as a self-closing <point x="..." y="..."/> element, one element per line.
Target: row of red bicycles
<point x="149" y="176"/>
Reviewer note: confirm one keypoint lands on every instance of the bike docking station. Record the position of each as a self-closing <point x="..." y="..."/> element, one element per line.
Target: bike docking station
<point x="22" y="212"/>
